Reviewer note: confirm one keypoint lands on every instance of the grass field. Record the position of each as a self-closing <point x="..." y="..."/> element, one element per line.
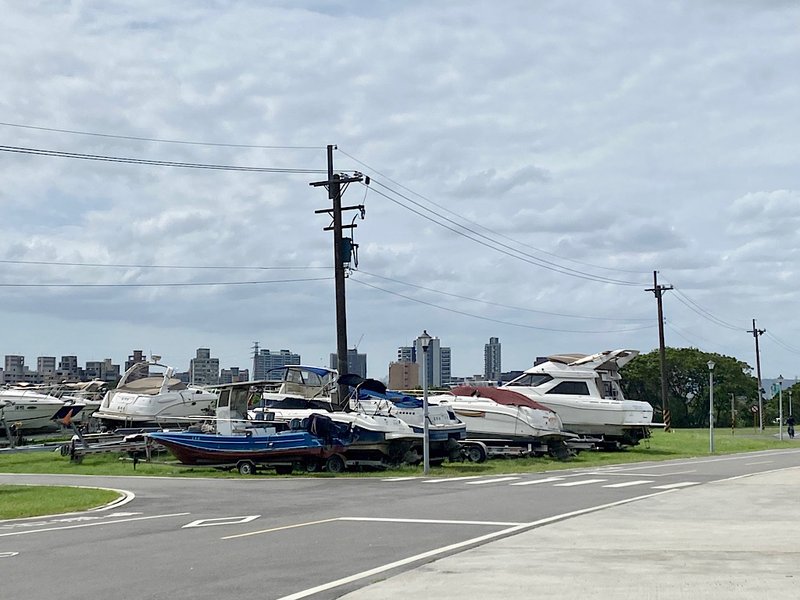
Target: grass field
<point x="33" y="500"/>
<point x="662" y="446"/>
<point x="23" y="501"/>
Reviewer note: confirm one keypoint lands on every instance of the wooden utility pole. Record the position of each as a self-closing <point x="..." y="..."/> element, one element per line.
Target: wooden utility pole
<point x="659" y="290"/>
<point x="757" y="332"/>
<point x="341" y="257"/>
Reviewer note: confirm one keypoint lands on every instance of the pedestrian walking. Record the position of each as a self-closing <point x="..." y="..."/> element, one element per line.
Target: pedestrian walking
<point x="790" y="426"/>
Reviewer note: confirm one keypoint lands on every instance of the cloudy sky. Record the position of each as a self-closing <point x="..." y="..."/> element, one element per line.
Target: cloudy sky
<point x="531" y="165"/>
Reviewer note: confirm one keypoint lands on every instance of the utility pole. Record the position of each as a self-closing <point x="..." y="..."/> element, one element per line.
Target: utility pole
<point x="757" y="332"/>
<point x="342" y="254"/>
<point x="659" y="290"/>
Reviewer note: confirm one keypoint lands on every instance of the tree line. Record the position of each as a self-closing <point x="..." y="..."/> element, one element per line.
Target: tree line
<point x="688" y="389"/>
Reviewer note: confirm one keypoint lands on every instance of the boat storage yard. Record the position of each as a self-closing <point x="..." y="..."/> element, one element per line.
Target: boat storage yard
<point x="295" y="420"/>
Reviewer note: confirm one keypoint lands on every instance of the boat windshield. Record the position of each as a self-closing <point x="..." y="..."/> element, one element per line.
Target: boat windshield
<point x="532" y="379"/>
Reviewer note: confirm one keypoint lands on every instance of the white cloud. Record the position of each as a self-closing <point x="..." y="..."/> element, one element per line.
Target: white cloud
<point x="632" y="139"/>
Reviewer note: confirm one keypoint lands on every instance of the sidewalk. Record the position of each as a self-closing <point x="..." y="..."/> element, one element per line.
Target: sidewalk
<point x="724" y="541"/>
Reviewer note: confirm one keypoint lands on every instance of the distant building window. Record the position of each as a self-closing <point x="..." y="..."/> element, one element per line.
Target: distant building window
<point x="571" y="388"/>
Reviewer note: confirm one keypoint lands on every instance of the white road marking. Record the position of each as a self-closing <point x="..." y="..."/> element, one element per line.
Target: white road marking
<point x="496" y="480"/>
<point x="606" y="473"/>
<point x="94" y="524"/>
<point x="628" y="483"/>
<point x="295" y="526"/>
<point x="400" y="478"/>
<point x="447" y="479"/>
<point x="581" y="482"/>
<point x="761" y="462"/>
<point x="8" y="554"/>
<point x="429" y="521"/>
<point x="533" y="481"/>
<point x="221" y="521"/>
<point x="457" y="546"/>
<point x="674" y="486"/>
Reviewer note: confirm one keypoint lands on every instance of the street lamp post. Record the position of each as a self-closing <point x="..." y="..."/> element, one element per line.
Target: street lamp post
<point x="711" y="406"/>
<point x="425" y="341"/>
<point x="780" y="407"/>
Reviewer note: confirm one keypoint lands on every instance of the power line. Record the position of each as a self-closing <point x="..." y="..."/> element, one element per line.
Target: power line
<point x="500" y="247"/>
<point x="694" y="306"/>
<point x="580" y="262"/>
<point x="512" y="324"/>
<point x="679" y="334"/>
<point x="145" y="266"/>
<point x="149" y="162"/>
<point x="683" y="333"/>
<point x="488" y="303"/>
<point x="160" y="140"/>
<point x="781" y="343"/>
<point x="540" y="261"/>
<point x="157" y="285"/>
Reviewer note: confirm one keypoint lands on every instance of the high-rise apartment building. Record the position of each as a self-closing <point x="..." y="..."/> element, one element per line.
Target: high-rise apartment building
<point x="234" y="375"/>
<point x="68" y="369"/>
<point x="203" y="369"/>
<point x="406" y="354"/>
<point x="356" y="363"/>
<point x="439" y="369"/>
<point x="264" y="360"/>
<point x="14" y="371"/>
<point x="491" y="360"/>
<point x="103" y="370"/>
<point x="404" y="375"/>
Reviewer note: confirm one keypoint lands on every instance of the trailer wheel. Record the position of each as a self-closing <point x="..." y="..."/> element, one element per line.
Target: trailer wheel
<point x="246" y="467"/>
<point x="284" y="469"/>
<point x="476" y="454"/>
<point x="313" y="466"/>
<point x="335" y="464"/>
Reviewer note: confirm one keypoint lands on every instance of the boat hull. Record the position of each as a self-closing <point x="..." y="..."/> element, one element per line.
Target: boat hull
<point x="129" y="409"/>
<point x="28" y="411"/>
<point x="198" y="448"/>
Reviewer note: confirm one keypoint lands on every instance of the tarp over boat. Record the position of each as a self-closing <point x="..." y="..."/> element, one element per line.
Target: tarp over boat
<point x="499" y="395"/>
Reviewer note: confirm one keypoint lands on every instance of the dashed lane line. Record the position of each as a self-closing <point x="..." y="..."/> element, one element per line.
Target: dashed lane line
<point x="625" y="484"/>
<point x="446" y="479"/>
<point x="496" y="480"/>
<point x="674" y="486"/>
<point x="579" y="482"/>
<point x="534" y="481"/>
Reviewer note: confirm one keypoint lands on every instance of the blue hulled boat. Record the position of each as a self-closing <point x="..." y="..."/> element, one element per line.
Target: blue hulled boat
<point x="232" y="439"/>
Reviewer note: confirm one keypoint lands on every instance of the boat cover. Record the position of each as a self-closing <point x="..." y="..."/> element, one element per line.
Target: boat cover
<point x="499" y="395"/>
<point x="372" y="388"/>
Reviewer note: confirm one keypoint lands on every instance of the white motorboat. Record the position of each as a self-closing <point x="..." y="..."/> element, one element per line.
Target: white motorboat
<point x="298" y="391"/>
<point x="585" y="392"/>
<point x="155" y="399"/>
<point x="500" y="416"/>
<point x="28" y="409"/>
<point x="445" y="428"/>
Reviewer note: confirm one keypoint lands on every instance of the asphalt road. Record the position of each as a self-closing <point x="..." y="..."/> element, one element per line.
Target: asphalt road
<point x="307" y="538"/>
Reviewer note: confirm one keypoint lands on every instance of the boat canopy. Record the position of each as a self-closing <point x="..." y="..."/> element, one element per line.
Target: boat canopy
<point x="151" y="385"/>
<point x="372" y="388"/>
<point x="499" y="395"/>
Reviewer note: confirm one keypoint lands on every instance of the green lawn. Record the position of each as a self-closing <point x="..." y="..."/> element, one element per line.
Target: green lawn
<point x="662" y="446"/>
<point x="35" y="500"/>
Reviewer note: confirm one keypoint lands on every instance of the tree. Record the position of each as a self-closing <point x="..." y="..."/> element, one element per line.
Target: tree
<point x="688" y="385"/>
